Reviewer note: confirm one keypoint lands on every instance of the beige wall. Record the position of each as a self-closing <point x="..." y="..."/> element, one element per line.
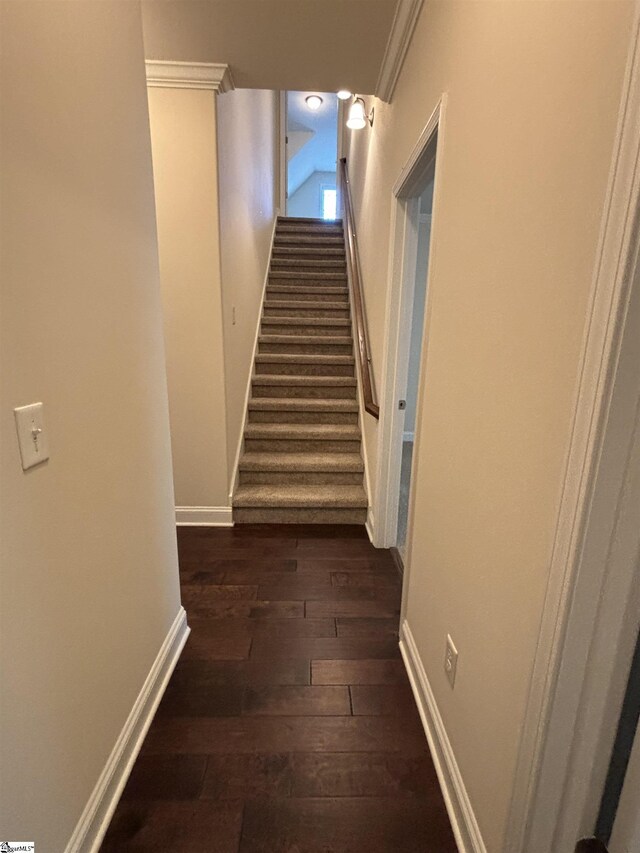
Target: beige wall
<point x="533" y="97"/>
<point x="248" y="163"/>
<point x="89" y="567"/>
<point x="183" y="134"/>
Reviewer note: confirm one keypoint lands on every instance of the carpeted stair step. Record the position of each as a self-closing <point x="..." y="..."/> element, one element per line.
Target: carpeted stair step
<point x="336" y="344"/>
<point x="301" y="438"/>
<point x="301" y="504"/>
<point x="293" y="364"/>
<point x="316" y="326"/>
<point x="342" y="387"/>
<point x="293" y="308"/>
<point x="338" y="263"/>
<point x="302" y="468"/>
<point x="299" y="410"/>
<point x="315" y="220"/>
<point x="316" y="241"/>
<point x="301" y="293"/>
<point x="284" y="227"/>
<point x="307" y="251"/>
<point x="319" y="276"/>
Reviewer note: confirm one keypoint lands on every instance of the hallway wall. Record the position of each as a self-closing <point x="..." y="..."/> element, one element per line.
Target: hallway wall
<point x="88" y="558"/>
<point x="185" y="169"/>
<point x="533" y="95"/>
<point x="307" y="199"/>
<point x="248" y="169"/>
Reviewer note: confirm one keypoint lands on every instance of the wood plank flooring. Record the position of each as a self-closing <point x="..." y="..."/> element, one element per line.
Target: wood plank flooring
<point x="288" y="725"/>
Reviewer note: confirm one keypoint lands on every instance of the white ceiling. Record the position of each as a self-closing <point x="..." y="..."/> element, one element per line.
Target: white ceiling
<point x="321" y="45"/>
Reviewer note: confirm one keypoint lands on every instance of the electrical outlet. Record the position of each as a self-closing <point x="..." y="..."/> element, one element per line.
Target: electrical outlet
<point x="450" y="661"/>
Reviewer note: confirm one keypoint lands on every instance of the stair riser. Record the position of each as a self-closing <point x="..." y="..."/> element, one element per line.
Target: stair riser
<point x="316" y="330"/>
<point x="301" y="478"/>
<point x="299" y="445"/>
<point x="324" y="264"/>
<point x="318" y="244"/>
<point x="310" y="252"/>
<point x="308" y="279"/>
<point x="278" y="369"/>
<point x="308" y="230"/>
<point x="336" y="392"/>
<point x="250" y="515"/>
<point x="309" y="289"/>
<point x="282" y="417"/>
<point x="306" y="349"/>
<point x="329" y="313"/>
<point x="275" y="295"/>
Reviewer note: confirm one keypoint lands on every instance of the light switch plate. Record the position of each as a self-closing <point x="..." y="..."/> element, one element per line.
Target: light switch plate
<point x="32" y="436"/>
<point x="450" y="661"/>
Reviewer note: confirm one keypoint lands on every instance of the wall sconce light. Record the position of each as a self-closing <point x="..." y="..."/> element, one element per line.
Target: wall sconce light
<point x="358" y="117"/>
<point x="314" y="102"/>
<point x="344" y="94"/>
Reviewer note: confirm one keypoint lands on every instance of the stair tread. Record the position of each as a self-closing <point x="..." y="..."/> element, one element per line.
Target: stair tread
<point x="309" y="275"/>
<point x="315" y="340"/>
<point x="306" y="321"/>
<point x="285" y="495"/>
<point x="305" y="251"/>
<point x="318" y="219"/>
<point x="303" y="358"/>
<point x="304" y="404"/>
<point x="336" y="432"/>
<point x="306" y="288"/>
<point x="326" y="462"/>
<point x="300" y="303"/>
<point x="285" y="379"/>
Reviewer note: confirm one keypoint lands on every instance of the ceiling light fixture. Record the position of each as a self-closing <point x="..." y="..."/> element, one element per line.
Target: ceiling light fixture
<point x="344" y="94"/>
<point x="314" y="102"/>
<point x="358" y="117"/>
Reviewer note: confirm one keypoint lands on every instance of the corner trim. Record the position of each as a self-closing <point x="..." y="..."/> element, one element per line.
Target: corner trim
<point x="404" y="23"/>
<point x="189" y="75"/>
<point x="463" y="820"/>
<point x="90" y="829"/>
<point x="204" y="516"/>
<point x="551" y="717"/>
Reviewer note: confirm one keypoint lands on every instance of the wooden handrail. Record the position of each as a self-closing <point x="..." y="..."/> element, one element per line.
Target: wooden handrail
<point x="363" y="353"/>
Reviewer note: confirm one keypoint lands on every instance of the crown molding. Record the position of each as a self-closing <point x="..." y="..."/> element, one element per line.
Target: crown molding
<point x="404" y="23"/>
<point x="189" y="75"/>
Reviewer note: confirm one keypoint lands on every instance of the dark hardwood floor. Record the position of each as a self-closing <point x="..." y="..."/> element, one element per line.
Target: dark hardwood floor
<point x="288" y="725"/>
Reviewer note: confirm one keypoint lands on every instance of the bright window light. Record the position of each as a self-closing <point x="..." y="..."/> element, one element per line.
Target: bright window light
<point x="329" y="204"/>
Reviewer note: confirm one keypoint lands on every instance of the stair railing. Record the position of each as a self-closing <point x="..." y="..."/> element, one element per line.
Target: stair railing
<point x="363" y="353"/>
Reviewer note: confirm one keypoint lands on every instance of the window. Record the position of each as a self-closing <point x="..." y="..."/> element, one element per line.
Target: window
<point x="329" y="202"/>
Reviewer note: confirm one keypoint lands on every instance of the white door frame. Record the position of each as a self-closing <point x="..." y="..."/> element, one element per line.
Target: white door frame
<point x="402" y="272"/>
<point x="591" y="607"/>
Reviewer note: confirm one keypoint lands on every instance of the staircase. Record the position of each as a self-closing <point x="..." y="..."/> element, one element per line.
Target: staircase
<point x="302" y="461"/>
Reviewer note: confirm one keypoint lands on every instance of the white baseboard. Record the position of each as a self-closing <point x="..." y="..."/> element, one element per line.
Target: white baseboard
<point x="408" y="436"/>
<point x="204" y="516"/>
<point x="94" y="821"/>
<point x="370" y="526"/>
<point x="463" y="820"/>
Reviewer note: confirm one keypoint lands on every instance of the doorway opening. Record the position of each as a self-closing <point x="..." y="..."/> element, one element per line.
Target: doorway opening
<point x="414" y="220"/>
<point x="311" y="144"/>
<point x="415" y="331"/>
